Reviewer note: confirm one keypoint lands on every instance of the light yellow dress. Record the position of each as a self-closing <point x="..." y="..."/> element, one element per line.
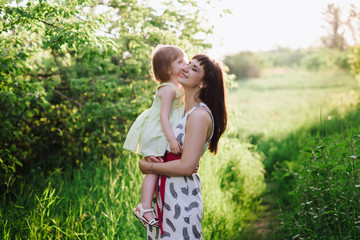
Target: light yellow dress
<point x="146" y="136"/>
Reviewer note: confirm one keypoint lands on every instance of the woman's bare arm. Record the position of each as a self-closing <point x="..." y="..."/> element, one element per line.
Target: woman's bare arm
<point x="198" y="130"/>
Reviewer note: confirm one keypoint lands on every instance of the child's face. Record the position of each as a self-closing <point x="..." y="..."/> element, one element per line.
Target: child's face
<point x="178" y="65"/>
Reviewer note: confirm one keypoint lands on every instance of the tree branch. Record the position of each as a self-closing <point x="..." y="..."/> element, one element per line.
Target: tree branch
<point x="19" y="118"/>
<point x="62" y="88"/>
<point x="49" y="24"/>
<point x="43" y="75"/>
<point x="62" y="73"/>
<point x="61" y="95"/>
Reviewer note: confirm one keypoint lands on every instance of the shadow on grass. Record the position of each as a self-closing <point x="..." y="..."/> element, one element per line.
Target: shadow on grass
<point x="277" y="151"/>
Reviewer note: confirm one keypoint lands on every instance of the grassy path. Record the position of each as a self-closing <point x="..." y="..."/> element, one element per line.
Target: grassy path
<point x="272" y="110"/>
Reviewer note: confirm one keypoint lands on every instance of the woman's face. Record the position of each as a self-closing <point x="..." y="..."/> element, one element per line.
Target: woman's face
<point x="178" y="65"/>
<point x="192" y="74"/>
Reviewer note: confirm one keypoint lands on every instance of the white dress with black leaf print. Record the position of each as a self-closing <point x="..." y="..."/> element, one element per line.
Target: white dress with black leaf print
<point x="183" y="204"/>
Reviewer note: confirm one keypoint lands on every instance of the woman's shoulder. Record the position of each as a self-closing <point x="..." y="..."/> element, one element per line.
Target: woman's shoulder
<point x="200" y="115"/>
<point x="199" y="124"/>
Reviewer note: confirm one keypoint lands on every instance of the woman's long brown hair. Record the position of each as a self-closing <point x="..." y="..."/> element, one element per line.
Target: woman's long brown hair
<point x="213" y="95"/>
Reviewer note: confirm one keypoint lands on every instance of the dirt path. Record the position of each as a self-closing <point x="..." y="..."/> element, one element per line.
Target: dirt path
<point x="268" y="222"/>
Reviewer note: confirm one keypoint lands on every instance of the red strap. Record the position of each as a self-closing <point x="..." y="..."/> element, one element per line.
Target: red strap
<point x="167" y="158"/>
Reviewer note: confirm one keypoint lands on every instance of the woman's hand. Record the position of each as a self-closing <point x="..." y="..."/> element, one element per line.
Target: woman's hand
<point x="146" y="162"/>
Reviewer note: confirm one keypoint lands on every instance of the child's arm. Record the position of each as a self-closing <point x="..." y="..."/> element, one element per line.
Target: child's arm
<point x="167" y="96"/>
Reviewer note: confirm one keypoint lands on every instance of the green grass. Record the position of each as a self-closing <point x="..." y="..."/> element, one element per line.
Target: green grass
<point x="324" y="202"/>
<point x="95" y="201"/>
<point x="286" y="104"/>
<point x="285" y="100"/>
<point x="279" y="113"/>
<point x="92" y="202"/>
<point x="282" y="113"/>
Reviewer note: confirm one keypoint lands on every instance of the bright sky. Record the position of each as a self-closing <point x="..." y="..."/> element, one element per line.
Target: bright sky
<point x="257" y="25"/>
<point x="266" y="24"/>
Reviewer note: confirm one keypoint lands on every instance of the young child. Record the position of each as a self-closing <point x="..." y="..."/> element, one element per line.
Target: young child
<point x="152" y="131"/>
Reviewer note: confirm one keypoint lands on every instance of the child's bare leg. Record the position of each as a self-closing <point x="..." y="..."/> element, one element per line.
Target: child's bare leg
<point x="147" y="193"/>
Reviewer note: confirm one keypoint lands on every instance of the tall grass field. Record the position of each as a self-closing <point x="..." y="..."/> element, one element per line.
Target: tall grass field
<point x="287" y="150"/>
<point x="307" y="126"/>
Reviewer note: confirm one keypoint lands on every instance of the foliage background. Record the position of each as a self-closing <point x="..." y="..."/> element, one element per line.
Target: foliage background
<point x="69" y="80"/>
<point x="73" y="79"/>
<point x="74" y="76"/>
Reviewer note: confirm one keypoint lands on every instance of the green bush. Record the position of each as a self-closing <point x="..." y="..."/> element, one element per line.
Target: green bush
<point x="326" y="196"/>
<point x="354" y="59"/>
<point x="283" y="57"/>
<point x="73" y="80"/>
<point x="233" y="184"/>
<point x="324" y="58"/>
<point x="244" y="65"/>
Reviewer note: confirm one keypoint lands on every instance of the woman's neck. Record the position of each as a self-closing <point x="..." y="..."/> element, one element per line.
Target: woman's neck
<point x="191" y="99"/>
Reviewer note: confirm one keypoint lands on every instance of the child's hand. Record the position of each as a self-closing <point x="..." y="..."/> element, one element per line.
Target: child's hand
<point x="175" y="147"/>
<point x="153" y="159"/>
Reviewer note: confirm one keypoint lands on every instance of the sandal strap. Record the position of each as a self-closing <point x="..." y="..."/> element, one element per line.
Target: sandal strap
<point x="148" y="210"/>
<point x="153" y="221"/>
<point x="142" y="210"/>
<point x="140" y="215"/>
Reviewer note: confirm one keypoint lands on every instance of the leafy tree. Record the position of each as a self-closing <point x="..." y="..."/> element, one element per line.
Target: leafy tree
<point x="36" y="39"/>
<point x="75" y="73"/>
<point x="353" y="24"/>
<point x="334" y="39"/>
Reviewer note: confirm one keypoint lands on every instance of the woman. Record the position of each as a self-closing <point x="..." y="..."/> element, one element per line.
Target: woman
<point x="179" y="204"/>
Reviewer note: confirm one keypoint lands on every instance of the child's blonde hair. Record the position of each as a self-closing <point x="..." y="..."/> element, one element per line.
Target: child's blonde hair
<point x="162" y="59"/>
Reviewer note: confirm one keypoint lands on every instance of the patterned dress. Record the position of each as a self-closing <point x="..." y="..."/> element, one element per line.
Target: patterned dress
<point x="146" y="136"/>
<point x="183" y="205"/>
